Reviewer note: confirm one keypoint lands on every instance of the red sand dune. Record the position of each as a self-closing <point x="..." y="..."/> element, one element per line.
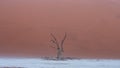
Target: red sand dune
<point x="92" y="26"/>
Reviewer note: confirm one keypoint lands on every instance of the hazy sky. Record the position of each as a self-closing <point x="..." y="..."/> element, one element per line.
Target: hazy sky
<point x="92" y="26"/>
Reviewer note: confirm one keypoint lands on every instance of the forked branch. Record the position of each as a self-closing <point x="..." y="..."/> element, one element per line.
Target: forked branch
<point x="59" y="45"/>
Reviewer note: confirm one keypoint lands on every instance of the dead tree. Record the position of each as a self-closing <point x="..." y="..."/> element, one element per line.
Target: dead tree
<point x="58" y="45"/>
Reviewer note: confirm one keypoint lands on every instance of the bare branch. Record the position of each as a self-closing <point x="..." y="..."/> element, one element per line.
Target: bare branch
<point x="54" y="40"/>
<point x="53" y="37"/>
<point x="63" y="42"/>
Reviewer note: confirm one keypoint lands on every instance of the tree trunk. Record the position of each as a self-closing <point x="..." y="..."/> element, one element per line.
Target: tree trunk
<point x="59" y="54"/>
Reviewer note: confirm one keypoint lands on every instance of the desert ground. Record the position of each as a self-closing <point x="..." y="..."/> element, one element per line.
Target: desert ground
<point x="42" y="63"/>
